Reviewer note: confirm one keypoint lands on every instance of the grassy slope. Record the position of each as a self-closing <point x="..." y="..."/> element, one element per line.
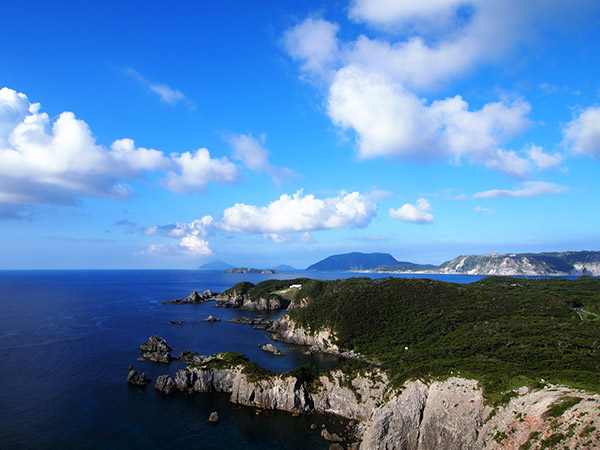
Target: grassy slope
<point x="502" y="331"/>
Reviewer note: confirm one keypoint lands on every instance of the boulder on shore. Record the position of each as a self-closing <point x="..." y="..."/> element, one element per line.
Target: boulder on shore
<point x="331" y="436"/>
<point x="134" y="378"/>
<point x="156" y="349"/>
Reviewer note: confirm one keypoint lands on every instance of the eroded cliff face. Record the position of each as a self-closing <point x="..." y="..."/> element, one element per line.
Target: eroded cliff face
<point x="449" y="414"/>
<point x="286" y="330"/>
<point x="235" y="300"/>
<point x="354" y="398"/>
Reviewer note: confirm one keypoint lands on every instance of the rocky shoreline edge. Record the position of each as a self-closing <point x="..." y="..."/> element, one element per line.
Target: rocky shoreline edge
<point x="449" y="414"/>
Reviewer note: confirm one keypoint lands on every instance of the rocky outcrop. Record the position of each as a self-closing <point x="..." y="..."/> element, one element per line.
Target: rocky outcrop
<point x="134" y="378"/>
<point x="258" y="322"/>
<point x="286" y="330"/>
<point x="195" y="297"/>
<point x="249" y="270"/>
<point x="156" y="349"/>
<point x="212" y="319"/>
<point x="192" y="357"/>
<point x="273" y="303"/>
<point x="270" y="348"/>
<point x="354" y="399"/>
<point x="165" y="384"/>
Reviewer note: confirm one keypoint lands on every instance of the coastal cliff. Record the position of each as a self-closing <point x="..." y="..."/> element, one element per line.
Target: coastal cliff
<point x="450" y="414"/>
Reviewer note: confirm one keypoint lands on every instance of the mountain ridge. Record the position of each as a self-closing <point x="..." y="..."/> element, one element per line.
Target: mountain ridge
<point x="569" y="263"/>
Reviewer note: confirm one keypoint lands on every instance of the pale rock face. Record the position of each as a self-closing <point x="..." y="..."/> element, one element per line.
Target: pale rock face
<point x="286" y="330"/>
<point x="444" y="415"/>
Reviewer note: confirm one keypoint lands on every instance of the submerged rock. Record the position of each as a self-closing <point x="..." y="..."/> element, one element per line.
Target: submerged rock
<point x="156" y="349"/>
<point x="331" y="436"/>
<point x="175" y="322"/>
<point x="134" y="378"/>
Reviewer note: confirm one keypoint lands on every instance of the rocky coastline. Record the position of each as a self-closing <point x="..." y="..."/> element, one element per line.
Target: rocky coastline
<point x="449" y="413"/>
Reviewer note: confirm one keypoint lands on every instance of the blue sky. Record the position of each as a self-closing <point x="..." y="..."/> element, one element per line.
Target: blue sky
<point x="168" y="134"/>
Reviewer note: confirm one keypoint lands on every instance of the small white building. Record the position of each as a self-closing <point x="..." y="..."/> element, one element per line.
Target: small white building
<point x="295" y="286"/>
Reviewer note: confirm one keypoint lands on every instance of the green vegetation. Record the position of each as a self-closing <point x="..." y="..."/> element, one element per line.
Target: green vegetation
<point x="557" y="409"/>
<point x="278" y="289"/>
<point x="254" y="372"/>
<point x="505" y="332"/>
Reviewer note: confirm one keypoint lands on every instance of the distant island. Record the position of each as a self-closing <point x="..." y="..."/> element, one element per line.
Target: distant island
<point x="249" y="270"/>
<point x="216" y="265"/>
<point x="531" y="264"/>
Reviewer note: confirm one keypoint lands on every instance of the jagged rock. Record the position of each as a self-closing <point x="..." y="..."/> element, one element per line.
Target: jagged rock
<point x="134" y="378"/>
<point x="156" y="349"/>
<point x="331" y="436"/>
<point x="214" y="417"/>
<point x="259" y="323"/>
<point x="272" y="349"/>
<point x="192" y="357"/>
<point x="194" y="297"/>
<point x="212" y="319"/>
<point x="165" y="384"/>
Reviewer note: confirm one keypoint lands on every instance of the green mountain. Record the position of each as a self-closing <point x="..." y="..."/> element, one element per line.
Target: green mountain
<point x="359" y="261"/>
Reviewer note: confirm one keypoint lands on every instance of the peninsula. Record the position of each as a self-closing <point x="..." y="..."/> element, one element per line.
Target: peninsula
<point x="499" y="363"/>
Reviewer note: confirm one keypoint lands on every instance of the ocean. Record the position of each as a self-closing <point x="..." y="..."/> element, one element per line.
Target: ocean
<point x="68" y="337"/>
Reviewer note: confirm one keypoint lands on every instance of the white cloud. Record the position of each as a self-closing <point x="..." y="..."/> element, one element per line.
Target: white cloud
<point x="544" y="160"/>
<point x="528" y="189"/>
<point x="582" y="134"/>
<point x="166" y="93"/>
<point x="254" y="156"/>
<point x="56" y="162"/>
<point x="486" y="211"/>
<point x="299" y="213"/>
<point x="191" y="237"/>
<point x="418" y="213"/>
<point x="375" y="84"/>
<point x="392" y="121"/>
<point x="314" y="43"/>
<point x="197" y="169"/>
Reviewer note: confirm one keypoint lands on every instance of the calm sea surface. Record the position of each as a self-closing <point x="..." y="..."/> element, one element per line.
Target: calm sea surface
<point x="67" y="338"/>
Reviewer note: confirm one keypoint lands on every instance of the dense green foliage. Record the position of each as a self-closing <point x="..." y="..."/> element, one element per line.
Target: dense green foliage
<point x="502" y="331"/>
<point x="278" y="289"/>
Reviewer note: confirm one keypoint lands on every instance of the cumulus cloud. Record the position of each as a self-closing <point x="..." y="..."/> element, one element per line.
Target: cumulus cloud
<point x="528" y="189"/>
<point x="376" y="85"/>
<point x="197" y="169"/>
<point x="299" y="213"/>
<point x="314" y="43"/>
<point x="56" y="162"/>
<point x="582" y="134"/>
<point x="418" y="213"/>
<point x="192" y="237"/>
<point x="252" y="153"/>
<point x="545" y="160"/>
<point x="391" y="121"/>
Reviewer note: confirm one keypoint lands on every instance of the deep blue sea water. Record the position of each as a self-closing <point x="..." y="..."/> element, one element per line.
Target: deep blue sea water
<point x="67" y="338"/>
